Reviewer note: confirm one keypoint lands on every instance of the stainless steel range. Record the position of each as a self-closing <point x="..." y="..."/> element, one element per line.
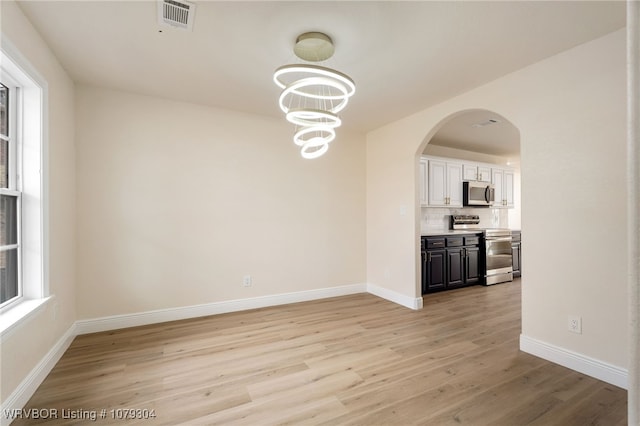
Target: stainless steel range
<point x="498" y="256"/>
<point x="465" y="221"/>
<point x="498" y="262"/>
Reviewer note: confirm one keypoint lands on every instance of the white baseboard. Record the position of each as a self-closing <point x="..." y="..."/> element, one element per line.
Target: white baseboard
<point x="592" y="367"/>
<point x="395" y="297"/>
<point x="173" y="314"/>
<point x="19" y="397"/>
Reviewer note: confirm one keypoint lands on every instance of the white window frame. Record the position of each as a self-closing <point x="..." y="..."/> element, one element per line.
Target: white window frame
<point x="13" y="174"/>
<point x="32" y="131"/>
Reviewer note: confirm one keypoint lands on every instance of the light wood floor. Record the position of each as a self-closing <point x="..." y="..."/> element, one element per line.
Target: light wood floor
<point x="350" y="360"/>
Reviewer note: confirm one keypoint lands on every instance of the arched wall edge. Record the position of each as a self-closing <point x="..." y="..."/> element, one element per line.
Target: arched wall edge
<point x="425" y="141"/>
<point x="393" y="207"/>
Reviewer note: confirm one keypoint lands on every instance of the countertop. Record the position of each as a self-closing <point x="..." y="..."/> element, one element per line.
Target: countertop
<point x="452" y="232"/>
<point x="455" y="232"/>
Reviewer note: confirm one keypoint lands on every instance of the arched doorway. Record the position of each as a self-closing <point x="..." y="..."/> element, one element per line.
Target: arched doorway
<point x="474" y="136"/>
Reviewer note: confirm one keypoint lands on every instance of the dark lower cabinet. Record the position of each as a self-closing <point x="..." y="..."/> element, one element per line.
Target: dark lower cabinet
<point x="455" y="267"/>
<point x="434" y="278"/>
<point x="516" y="253"/>
<point x="450" y="262"/>
<point x="473" y="267"/>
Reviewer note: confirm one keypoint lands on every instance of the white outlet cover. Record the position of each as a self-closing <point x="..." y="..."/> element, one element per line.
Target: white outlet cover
<point x="574" y="324"/>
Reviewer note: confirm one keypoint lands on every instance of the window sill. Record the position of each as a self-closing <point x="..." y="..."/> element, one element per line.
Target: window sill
<point x="19" y="314"/>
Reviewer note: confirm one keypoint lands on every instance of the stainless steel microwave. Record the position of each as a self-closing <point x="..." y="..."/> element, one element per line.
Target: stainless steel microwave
<point x="477" y="194"/>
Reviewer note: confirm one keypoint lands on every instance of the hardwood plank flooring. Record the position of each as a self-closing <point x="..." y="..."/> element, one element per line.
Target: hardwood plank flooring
<point x="353" y="360"/>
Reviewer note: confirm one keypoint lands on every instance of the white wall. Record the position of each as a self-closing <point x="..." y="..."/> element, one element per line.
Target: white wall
<point x="177" y="202"/>
<point x="27" y="344"/>
<point x="570" y="111"/>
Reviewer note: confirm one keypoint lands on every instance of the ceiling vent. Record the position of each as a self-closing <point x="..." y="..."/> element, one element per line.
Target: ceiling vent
<point x="486" y="123"/>
<point x="177" y="14"/>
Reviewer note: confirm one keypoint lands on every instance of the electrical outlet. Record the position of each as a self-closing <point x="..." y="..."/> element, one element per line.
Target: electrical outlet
<point x="246" y="281"/>
<point x="575" y="324"/>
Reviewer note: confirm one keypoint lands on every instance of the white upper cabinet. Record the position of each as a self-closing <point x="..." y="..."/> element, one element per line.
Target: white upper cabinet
<point x="441" y="181"/>
<point x="444" y="184"/>
<point x="508" y="188"/>
<point x="437" y="180"/>
<point x="424" y="166"/>
<point x="469" y="172"/>
<point x="497" y="179"/>
<point x="454" y="181"/>
<point x="476" y="172"/>
<point x="484" y="174"/>
<point x="503" y="181"/>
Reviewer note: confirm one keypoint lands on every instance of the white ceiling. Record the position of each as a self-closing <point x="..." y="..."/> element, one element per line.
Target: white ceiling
<point x="403" y="56"/>
<point x="480" y="131"/>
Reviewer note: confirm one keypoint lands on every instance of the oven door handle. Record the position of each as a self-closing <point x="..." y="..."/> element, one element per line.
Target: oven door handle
<point x="498" y="240"/>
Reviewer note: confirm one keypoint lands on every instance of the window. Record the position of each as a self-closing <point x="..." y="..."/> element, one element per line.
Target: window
<point x="10" y="285"/>
<point x="24" y="278"/>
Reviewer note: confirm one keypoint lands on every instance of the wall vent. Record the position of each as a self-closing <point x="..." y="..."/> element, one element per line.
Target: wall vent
<point x="176" y="13"/>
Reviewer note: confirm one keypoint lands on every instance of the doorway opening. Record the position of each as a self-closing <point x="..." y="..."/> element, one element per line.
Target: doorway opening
<point x="478" y="145"/>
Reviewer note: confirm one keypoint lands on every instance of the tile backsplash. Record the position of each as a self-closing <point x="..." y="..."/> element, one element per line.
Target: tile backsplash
<point x="435" y="219"/>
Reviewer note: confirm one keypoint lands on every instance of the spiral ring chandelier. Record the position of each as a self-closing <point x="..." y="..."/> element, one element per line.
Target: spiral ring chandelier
<point x="313" y="95"/>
